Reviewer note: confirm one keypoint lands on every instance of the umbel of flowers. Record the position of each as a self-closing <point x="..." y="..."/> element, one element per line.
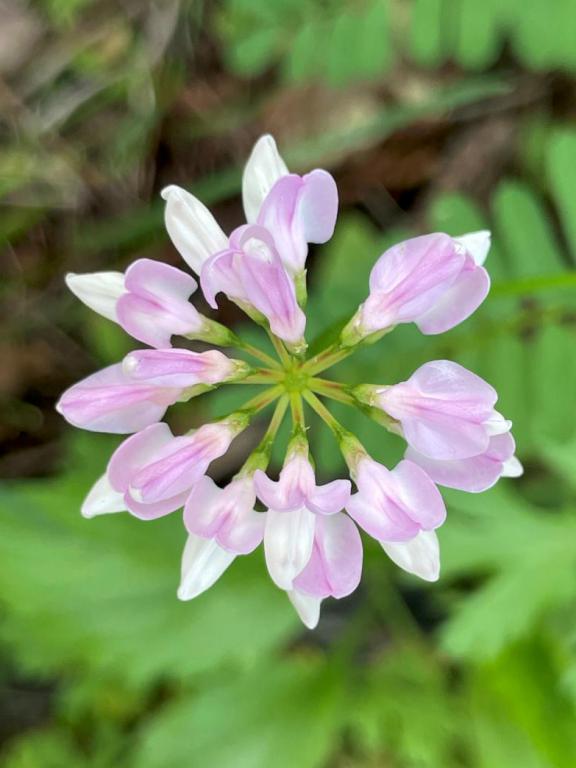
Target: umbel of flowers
<point x="312" y="544"/>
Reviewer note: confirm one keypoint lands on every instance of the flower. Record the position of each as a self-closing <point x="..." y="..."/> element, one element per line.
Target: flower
<point x="445" y="411"/>
<point x="310" y="532"/>
<point x="395" y="505"/>
<point x="295" y="536"/>
<point x="435" y="281"/>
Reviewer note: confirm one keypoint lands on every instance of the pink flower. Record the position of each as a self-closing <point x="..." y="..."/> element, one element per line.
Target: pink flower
<point x="294" y="503"/>
<point x="155" y="470"/>
<point x="155" y="304"/>
<point x="296" y="210"/>
<point x="335" y="565"/>
<point x="445" y="411"/>
<point x="395" y="505"/>
<point x="181" y="367"/>
<point x="474" y="473"/>
<point x="131" y="395"/>
<point x="111" y="401"/>
<point x="251" y="273"/>
<point x="226" y="515"/>
<point x="150" y="301"/>
<point x="435" y="281"/>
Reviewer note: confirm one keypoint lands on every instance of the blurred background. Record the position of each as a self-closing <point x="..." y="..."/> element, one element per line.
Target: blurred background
<point x="448" y="115"/>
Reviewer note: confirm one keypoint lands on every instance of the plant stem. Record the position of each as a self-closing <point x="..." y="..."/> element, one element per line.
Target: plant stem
<point x="260" y="456"/>
<point x="333" y="390"/>
<point x="260" y="376"/>
<point x="318" y="406"/>
<point x="260" y="402"/>
<point x="326" y="359"/>
<point x="297" y="408"/>
<point x="257" y="353"/>
<point x="280" y="349"/>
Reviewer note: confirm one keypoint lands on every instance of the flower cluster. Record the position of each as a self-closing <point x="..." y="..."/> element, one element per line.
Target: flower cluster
<point x="312" y="545"/>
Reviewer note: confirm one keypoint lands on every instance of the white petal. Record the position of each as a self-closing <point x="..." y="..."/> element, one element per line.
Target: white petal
<point x="263" y="169"/>
<point x="192" y="228"/>
<point x="512" y="467"/>
<point x="98" y="290"/>
<point x="307" y="607"/>
<point x="288" y="541"/>
<point x="497" y="425"/>
<point x="102" y="499"/>
<point x="420" y="555"/>
<point x="203" y="562"/>
<point x="477" y="244"/>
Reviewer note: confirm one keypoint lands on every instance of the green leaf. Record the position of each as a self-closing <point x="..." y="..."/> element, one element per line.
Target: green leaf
<point x="284" y="715"/>
<point x="561" y="161"/>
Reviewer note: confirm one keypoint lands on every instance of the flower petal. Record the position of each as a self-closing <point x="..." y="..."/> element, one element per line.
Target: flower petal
<point x="135" y="452"/>
<point x="329" y="498"/>
<point x="203" y="562"/>
<point x="192" y="228"/>
<point x="420" y="555"/>
<point x="335" y="567"/>
<point x="300" y="210"/>
<point x="102" y="499"/>
<point x="288" y="541"/>
<point x="263" y="169"/>
<point x="98" y="290"/>
<point x="457" y="303"/>
<point x="477" y="244"/>
<point x="108" y="401"/>
<point x="307" y="607"/>
<point x="177" y="367"/>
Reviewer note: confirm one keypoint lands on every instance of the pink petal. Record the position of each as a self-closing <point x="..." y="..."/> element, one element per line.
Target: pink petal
<point x="330" y="498"/>
<point x="179" y="464"/>
<point x="155" y="509"/>
<point x="335" y="566"/>
<point x="474" y="474"/>
<point x="102" y="499"/>
<point x="226" y="514"/>
<point x="134" y="453"/>
<point x="300" y="210"/>
<point x="409" y="279"/>
<point x="177" y="367"/>
<point x="457" y="303"/>
<point x="420" y="495"/>
<point x="291" y="490"/>
<point x="158" y="281"/>
<point x="108" y="401"/>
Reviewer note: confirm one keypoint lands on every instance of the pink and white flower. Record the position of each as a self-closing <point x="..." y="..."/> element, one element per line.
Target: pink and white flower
<point x="445" y="411"/>
<point x="155" y="470"/>
<point x="311" y="541"/>
<point x="150" y="301"/>
<point x="251" y="273"/>
<point x="293" y="531"/>
<point x="131" y="395"/>
<point x="226" y="515"/>
<point x="474" y="473"/>
<point x="435" y="281"/>
<point x="395" y="505"/>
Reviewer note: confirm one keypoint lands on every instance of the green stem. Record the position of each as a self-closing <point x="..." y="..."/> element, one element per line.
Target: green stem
<point x="333" y="390"/>
<point x="280" y="349"/>
<point x="260" y="376"/>
<point x="326" y="359"/>
<point x="257" y="353"/>
<point x="297" y="409"/>
<point x="318" y="406"/>
<point x="260" y="456"/>
<point x="260" y="402"/>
